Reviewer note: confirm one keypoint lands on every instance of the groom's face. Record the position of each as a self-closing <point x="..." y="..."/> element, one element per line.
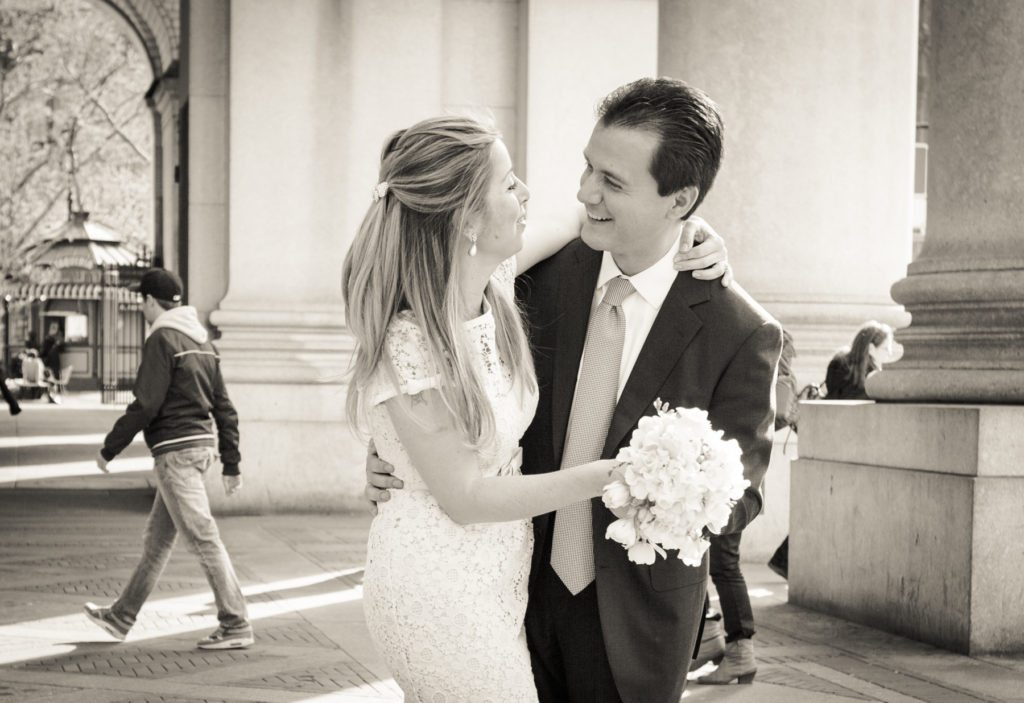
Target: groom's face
<point x="625" y="214"/>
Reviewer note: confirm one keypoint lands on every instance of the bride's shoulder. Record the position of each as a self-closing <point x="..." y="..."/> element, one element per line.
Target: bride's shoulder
<point x="405" y="335"/>
<point x="408" y="368"/>
<point x="407" y="347"/>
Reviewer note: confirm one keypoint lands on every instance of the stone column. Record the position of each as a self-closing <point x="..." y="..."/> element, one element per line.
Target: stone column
<point x="480" y="63"/>
<point x="573" y="53"/>
<point x="966" y="290"/>
<point x="205" y="74"/>
<point x="309" y="111"/>
<point x="907" y="515"/>
<point x="814" y="195"/>
<point x="164" y="101"/>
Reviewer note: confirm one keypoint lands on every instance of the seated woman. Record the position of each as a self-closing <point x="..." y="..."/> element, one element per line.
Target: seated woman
<point x="850" y="367"/>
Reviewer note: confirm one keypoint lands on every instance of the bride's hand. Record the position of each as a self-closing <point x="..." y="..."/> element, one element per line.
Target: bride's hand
<point x="601" y="473"/>
<point x="709" y="259"/>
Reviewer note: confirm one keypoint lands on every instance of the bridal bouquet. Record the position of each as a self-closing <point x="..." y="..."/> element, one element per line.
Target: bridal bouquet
<point x="680" y="481"/>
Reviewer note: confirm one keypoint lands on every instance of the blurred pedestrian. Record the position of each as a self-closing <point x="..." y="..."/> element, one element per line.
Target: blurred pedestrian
<point x="851" y="366"/>
<point x="728" y="635"/>
<point x="53" y="346"/>
<point x="179" y="386"/>
<point x="12" y="402"/>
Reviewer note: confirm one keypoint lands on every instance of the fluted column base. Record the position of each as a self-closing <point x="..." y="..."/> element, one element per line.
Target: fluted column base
<point x="285" y="374"/>
<point x="283" y="346"/>
<point x="966" y="343"/>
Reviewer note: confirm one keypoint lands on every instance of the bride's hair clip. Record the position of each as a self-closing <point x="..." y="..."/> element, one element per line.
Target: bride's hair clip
<point x="379" y="191"/>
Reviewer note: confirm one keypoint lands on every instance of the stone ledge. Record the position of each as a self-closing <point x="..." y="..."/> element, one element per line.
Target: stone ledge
<point x="971" y="440"/>
<point x="910" y="537"/>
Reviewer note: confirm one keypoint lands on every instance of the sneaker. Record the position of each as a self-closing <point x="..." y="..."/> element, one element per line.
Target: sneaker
<point x="222" y="638"/>
<point x="103" y="617"/>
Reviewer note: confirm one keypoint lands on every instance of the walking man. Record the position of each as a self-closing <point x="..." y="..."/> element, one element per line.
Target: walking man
<point x="179" y="385"/>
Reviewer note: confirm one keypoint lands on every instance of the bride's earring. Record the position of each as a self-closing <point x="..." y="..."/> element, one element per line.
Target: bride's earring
<point x="472" y="249"/>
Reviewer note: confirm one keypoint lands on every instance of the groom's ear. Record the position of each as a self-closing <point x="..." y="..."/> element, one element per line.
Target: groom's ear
<point x="682" y="202"/>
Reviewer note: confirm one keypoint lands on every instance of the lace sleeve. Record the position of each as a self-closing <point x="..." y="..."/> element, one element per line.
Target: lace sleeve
<point x="505" y="276"/>
<point x="409" y="355"/>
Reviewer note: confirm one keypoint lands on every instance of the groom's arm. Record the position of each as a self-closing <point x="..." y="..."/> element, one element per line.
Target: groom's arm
<point x="743" y="407"/>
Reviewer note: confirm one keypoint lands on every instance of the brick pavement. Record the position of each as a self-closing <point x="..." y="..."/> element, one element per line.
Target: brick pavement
<point x="302" y="576"/>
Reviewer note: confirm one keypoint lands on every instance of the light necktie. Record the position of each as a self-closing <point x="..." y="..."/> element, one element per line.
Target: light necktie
<point x="572" y="547"/>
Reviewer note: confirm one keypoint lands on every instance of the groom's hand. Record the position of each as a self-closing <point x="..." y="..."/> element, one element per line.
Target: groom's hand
<point x="378" y="479"/>
<point x="702" y="251"/>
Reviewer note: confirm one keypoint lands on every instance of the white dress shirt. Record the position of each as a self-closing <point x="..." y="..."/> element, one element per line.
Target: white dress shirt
<point x="640" y="308"/>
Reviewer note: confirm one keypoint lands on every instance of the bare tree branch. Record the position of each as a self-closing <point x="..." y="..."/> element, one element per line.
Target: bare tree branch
<point x="27" y="177"/>
<point x="93" y="98"/>
<point x="27" y="232"/>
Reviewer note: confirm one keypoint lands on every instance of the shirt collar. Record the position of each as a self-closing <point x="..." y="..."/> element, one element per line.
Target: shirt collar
<point x="653" y="283"/>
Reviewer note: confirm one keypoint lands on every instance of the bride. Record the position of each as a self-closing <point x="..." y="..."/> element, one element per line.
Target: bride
<point x="444" y="382"/>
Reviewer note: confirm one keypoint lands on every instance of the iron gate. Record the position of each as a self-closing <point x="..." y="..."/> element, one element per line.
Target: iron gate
<point x="124" y="331"/>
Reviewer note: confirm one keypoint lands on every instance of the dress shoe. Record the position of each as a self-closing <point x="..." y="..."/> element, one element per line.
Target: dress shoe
<point x="738" y="665"/>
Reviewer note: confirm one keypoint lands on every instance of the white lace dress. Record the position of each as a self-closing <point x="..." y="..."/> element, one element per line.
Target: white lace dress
<point x="445" y="602"/>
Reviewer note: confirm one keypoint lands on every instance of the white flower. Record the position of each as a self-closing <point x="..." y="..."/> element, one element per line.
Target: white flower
<point x="681" y="477"/>
<point x="691" y="551"/>
<point x="622" y="531"/>
<point x="642" y="553"/>
<point x="717" y="515"/>
<point x="616" y="495"/>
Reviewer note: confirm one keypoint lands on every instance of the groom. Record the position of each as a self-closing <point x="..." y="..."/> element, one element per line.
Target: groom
<point x="614" y="328"/>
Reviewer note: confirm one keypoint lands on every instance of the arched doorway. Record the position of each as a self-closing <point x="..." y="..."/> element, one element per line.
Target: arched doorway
<point x="81" y="69"/>
<point x="154" y="25"/>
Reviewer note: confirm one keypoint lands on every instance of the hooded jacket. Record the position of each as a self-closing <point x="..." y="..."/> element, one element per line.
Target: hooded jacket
<point x="178" y="387"/>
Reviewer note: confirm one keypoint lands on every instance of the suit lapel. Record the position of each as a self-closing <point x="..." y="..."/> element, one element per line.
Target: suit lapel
<point x="674" y="328"/>
<point x="575" y="298"/>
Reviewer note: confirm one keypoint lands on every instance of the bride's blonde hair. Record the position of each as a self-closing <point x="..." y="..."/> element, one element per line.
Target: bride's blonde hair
<point x="406" y="256"/>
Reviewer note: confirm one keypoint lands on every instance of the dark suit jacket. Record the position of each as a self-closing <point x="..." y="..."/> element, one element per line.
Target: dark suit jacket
<point x="710" y="347"/>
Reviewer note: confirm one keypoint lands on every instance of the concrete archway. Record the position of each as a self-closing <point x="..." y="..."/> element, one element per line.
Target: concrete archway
<point x="154" y="26"/>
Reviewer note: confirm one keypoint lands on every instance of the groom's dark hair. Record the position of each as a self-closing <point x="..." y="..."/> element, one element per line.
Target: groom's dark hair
<point x="687" y="122"/>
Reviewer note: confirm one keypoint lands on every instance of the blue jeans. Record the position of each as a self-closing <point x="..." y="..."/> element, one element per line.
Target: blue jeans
<point x="182" y="506"/>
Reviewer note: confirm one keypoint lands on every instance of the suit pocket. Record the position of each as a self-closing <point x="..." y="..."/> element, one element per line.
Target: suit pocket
<point x="670" y="574"/>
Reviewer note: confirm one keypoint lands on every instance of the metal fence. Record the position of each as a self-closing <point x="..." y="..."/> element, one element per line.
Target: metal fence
<point x="123" y="328"/>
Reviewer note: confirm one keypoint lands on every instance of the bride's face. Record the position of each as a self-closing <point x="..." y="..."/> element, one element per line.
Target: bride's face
<point x="501" y="233"/>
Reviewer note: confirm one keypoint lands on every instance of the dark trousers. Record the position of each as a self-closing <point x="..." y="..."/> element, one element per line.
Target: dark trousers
<point x="734" y="601"/>
<point x="567" y="650"/>
<point x="9" y="398"/>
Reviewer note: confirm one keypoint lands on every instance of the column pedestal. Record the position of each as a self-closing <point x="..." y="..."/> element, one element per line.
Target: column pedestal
<point x="907" y="517"/>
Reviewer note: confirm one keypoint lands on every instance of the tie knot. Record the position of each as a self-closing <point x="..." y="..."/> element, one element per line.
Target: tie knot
<point x="619" y="289"/>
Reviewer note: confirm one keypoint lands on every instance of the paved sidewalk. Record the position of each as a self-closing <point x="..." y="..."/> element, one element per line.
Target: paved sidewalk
<point x="75" y="535"/>
<point x="302" y="576"/>
<point x="54" y="447"/>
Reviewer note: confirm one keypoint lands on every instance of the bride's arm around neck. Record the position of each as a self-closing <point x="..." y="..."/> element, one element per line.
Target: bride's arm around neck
<point x="547" y="233"/>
